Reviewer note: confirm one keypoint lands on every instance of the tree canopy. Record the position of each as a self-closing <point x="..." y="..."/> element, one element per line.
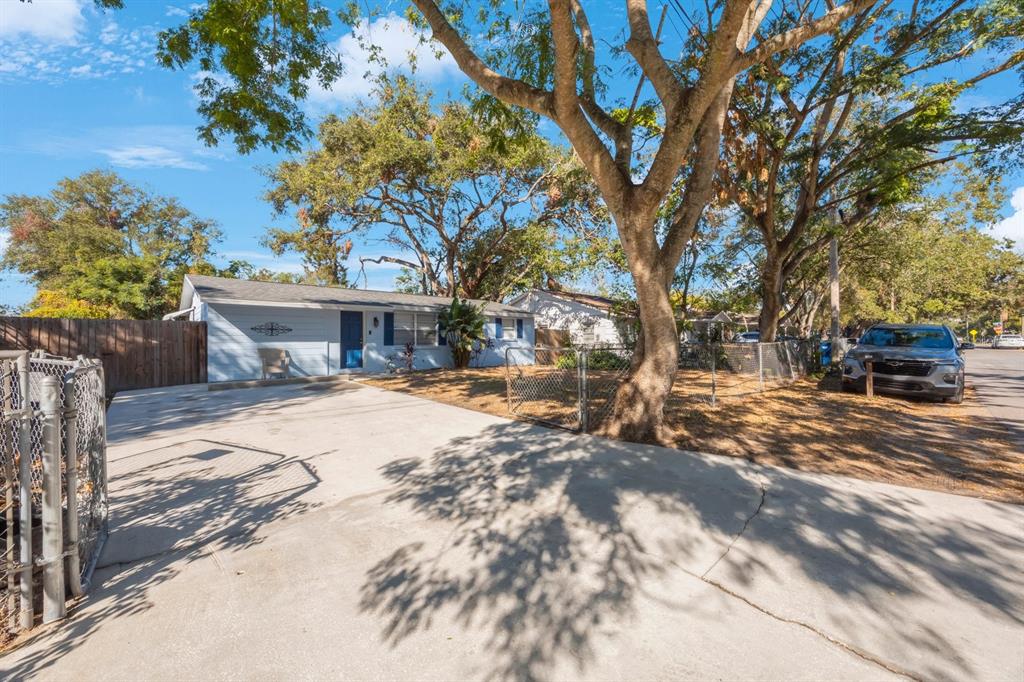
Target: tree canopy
<point x="98" y="246"/>
<point x="464" y="216"/>
<point x="821" y="137"/>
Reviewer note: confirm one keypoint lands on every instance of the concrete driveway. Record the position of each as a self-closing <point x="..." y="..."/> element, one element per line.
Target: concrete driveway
<point x="340" y="531"/>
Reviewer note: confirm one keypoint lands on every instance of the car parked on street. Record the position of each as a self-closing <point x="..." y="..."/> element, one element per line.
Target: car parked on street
<point x="1008" y="341"/>
<point x="908" y="359"/>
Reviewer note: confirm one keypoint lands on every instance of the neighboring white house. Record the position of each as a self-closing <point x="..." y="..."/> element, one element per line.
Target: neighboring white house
<point x="331" y="330"/>
<point x="589" y="319"/>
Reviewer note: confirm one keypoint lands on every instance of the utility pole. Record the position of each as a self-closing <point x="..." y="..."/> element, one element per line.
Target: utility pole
<point x="833" y="280"/>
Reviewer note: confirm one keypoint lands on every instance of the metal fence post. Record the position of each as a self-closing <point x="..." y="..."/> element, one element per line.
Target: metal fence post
<point x="789" y="360"/>
<point x="53" y="543"/>
<point x="714" y="374"/>
<point x="581" y="364"/>
<point x="10" y="479"/>
<point x="27" y="593"/>
<point x="508" y="380"/>
<point x="760" y="366"/>
<point x="104" y="479"/>
<point x="74" y="574"/>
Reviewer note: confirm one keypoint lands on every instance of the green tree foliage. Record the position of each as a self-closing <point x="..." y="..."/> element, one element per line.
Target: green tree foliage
<point x="99" y="242"/>
<point x="47" y="303"/>
<point x="933" y="262"/>
<point x="821" y="138"/>
<point x="476" y="220"/>
<point x="930" y="259"/>
<point x="324" y="250"/>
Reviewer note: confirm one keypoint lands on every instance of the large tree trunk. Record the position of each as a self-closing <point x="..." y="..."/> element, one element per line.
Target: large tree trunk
<point x="771" y="299"/>
<point x="638" y="413"/>
<point x="639" y="410"/>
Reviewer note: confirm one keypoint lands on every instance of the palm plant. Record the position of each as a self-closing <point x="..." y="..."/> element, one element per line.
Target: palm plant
<point x="463" y="325"/>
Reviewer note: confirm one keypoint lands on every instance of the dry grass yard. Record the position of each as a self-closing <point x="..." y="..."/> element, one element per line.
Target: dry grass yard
<point x="808" y="425"/>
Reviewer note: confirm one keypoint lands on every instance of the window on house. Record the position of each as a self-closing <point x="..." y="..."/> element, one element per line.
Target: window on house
<point x="508" y="330"/>
<point x="420" y="329"/>
<point x="405" y="328"/>
<point x="589" y="336"/>
<point x="426" y="329"/>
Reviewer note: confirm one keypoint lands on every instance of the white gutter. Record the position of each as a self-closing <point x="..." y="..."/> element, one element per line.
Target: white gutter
<point x="178" y="313"/>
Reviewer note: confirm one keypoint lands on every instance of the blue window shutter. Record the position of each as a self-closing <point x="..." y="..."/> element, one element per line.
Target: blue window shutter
<point x="497" y="328"/>
<point x="441" y="338"/>
<point x="389" y="329"/>
<point x="519" y="329"/>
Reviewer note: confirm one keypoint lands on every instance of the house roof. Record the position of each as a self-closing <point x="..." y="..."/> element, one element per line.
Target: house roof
<point x="242" y="291"/>
<point x="593" y="300"/>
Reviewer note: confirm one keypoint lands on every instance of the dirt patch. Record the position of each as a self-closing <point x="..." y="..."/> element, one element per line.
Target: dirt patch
<point x="808" y="425"/>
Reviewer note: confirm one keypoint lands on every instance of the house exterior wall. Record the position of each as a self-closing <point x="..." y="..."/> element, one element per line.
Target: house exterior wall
<point x="519" y="351"/>
<point x="571" y="316"/>
<point x="314" y="344"/>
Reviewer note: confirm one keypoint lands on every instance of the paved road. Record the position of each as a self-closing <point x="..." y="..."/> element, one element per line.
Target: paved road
<point x="998" y="377"/>
<point x="345" y="532"/>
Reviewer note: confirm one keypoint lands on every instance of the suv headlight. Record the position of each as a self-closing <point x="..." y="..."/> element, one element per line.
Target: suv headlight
<point x="850" y="364"/>
<point x="949" y="373"/>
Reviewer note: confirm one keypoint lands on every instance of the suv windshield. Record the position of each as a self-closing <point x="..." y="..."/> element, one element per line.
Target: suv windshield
<point x="910" y="338"/>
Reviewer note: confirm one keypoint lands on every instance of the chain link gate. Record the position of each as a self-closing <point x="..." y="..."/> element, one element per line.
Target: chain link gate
<point x="547" y="391"/>
<point x="54" y="483"/>
<point x="571" y="388"/>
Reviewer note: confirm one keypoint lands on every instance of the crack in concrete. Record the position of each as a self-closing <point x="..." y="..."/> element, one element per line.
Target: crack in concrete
<point x="760" y="505"/>
<point x="859" y="653"/>
<point x="849" y="648"/>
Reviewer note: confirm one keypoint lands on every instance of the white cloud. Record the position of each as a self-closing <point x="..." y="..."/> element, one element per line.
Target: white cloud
<point x="143" y="146"/>
<point x="1013" y="226"/>
<point x="48" y="20"/>
<point x="149" y="156"/>
<point x="397" y="43"/>
<point x="110" y="33"/>
<point x="173" y="11"/>
<point x="62" y="53"/>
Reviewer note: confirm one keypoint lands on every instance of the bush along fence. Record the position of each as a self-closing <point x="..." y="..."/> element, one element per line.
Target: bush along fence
<point x="54" y="484"/>
<point x="574" y="388"/>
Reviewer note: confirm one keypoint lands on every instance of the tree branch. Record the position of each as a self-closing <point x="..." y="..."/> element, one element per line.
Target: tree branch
<point x="799" y="35"/>
<point x="504" y="88"/>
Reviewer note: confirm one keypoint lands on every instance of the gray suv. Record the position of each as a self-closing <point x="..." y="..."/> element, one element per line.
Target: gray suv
<point x="908" y="359"/>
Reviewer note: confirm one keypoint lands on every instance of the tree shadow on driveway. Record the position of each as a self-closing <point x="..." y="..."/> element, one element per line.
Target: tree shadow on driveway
<point x="556" y="540"/>
<point x="170" y="507"/>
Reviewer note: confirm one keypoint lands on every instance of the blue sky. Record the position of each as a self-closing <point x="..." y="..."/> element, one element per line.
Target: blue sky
<point x="80" y="89"/>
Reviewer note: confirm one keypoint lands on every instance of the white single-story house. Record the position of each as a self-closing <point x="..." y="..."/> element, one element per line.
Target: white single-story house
<point x="333" y="330"/>
<point x="589" y="319"/>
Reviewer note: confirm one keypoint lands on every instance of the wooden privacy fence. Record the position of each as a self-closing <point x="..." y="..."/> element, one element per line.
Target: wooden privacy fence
<point x="134" y="353"/>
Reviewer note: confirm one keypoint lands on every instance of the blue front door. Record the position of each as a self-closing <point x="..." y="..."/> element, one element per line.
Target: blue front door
<point x="351" y="339"/>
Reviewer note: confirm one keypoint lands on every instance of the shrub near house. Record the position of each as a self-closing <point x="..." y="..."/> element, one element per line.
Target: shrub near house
<point x="462" y="323"/>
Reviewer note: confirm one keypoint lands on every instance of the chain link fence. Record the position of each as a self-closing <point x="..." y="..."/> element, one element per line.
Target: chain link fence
<point x="574" y="388"/>
<point x="54" y="483"/>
